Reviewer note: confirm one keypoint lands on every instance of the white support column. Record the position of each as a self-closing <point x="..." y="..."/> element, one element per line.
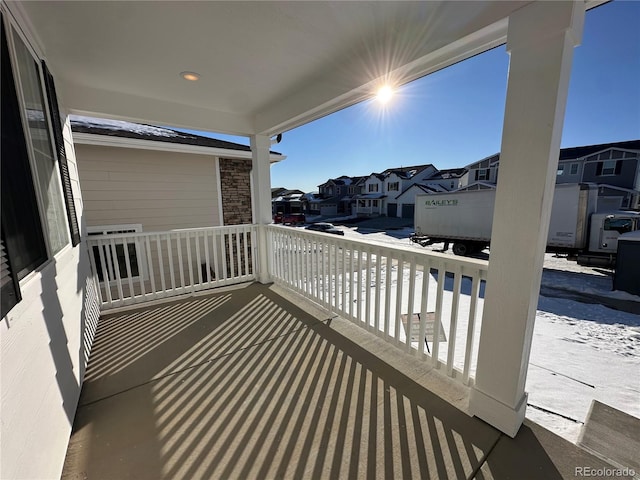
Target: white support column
<point x="540" y="41"/>
<point x="261" y="195"/>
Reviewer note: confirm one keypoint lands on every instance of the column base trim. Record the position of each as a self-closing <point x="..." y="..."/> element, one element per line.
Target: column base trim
<point x="503" y="417"/>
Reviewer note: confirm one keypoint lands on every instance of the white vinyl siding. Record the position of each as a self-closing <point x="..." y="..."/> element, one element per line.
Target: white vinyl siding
<point x="160" y="190"/>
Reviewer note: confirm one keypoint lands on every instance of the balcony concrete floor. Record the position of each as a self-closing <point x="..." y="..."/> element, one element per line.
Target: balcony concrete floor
<point x="254" y="382"/>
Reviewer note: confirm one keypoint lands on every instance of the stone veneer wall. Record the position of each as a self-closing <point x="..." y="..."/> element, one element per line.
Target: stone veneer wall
<point x="235" y="184"/>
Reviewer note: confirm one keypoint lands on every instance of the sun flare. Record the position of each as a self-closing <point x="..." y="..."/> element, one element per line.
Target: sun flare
<point x="384" y="94"/>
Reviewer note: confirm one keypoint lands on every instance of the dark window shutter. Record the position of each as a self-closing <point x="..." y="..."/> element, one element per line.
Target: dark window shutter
<point x="618" y="167"/>
<point x="599" y="168"/>
<point x="477" y="171"/>
<point x="62" y="157"/>
<point x="9" y="288"/>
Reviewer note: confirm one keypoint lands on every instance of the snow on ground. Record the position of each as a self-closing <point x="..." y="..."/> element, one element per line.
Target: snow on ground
<point x="580" y="351"/>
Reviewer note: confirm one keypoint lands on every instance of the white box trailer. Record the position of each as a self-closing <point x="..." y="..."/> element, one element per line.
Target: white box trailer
<point x="465" y="218"/>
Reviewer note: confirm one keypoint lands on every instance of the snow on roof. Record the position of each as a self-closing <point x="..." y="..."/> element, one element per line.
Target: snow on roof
<point x="121" y="126"/>
<point x="124" y="129"/>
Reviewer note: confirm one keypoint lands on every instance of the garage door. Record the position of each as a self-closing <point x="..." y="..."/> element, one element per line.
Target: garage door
<point x="408" y="210"/>
<point x="392" y="209"/>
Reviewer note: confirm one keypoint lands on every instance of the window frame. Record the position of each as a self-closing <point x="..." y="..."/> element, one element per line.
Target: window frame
<point x="577" y="169"/>
<point x="12" y="29"/>
<point x="605" y="169"/>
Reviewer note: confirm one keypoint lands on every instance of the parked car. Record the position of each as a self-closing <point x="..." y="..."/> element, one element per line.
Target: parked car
<point x="325" y="227"/>
<point x="289" y="218"/>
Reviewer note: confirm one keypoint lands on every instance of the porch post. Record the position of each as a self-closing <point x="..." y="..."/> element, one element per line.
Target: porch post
<point x="261" y="180"/>
<point x="540" y="41"/>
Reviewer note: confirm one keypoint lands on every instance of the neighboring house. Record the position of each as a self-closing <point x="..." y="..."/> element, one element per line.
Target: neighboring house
<point x="435" y="181"/>
<point x="381" y="189"/>
<point x="335" y="197"/>
<point x="287" y="201"/>
<point x="369" y="202"/>
<point x="145" y="178"/>
<point x="614" y="166"/>
<point x="485" y="170"/>
<point x="406" y="201"/>
<point x="450" y="179"/>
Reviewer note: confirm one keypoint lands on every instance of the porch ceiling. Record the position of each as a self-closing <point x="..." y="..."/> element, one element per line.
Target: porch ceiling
<point x="265" y="67"/>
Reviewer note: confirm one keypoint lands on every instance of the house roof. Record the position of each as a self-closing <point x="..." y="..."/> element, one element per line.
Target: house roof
<point x="573" y="153"/>
<point x="139" y="131"/>
<point x="371" y="196"/>
<point x="449" y="173"/>
<point x="579" y="152"/>
<point x="424" y="187"/>
<point x="406" y="172"/>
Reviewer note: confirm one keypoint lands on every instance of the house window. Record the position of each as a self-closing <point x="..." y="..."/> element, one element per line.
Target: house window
<point x="375" y="203"/>
<point x="105" y="259"/>
<point x="608" y="167"/>
<point x="22" y="245"/>
<point x="574" y="168"/>
<point x="373" y="187"/>
<point x="560" y="170"/>
<point x="48" y="185"/>
<point x="393" y="186"/>
<point x="482" y="174"/>
<point x="34" y="221"/>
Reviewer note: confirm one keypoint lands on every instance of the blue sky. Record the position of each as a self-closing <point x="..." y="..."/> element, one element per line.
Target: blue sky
<point x="454" y="117"/>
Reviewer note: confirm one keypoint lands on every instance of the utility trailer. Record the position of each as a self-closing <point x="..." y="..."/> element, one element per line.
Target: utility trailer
<point x="465" y="219"/>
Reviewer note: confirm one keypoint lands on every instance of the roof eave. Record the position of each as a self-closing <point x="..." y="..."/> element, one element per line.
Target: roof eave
<point x="123" y="142"/>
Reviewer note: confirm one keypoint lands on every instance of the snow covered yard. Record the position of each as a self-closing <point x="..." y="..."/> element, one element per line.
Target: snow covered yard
<point x="581" y="351"/>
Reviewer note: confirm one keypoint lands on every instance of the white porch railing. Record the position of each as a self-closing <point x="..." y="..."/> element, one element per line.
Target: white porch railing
<point x="136" y="267"/>
<point x="426" y="303"/>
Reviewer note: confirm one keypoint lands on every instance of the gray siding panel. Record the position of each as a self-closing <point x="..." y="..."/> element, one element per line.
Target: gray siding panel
<point x="160" y="190"/>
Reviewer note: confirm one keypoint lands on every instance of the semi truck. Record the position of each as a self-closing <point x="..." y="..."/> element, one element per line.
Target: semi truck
<point x="577" y="226"/>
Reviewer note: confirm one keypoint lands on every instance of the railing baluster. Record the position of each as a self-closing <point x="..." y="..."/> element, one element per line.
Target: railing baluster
<point x="198" y="258"/>
<point x="412" y="288"/>
<point x="238" y="254"/>
<point x="180" y="263"/>
<point x="359" y="290"/>
<point x="376" y="316"/>
<point x="387" y="295"/>
<point x="214" y="246"/>
<point x="343" y="270"/>
<point x="152" y="280"/>
<point x="161" y="263"/>
<point x="170" y="260"/>
<point x="438" y="315"/>
<point x="140" y="256"/>
<point x="92" y="260"/>
<point x="475" y="291"/>
<point x="367" y="291"/>
<point x="207" y="259"/>
<point x="453" y="326"/>
<point x="106" y="278"/>
<point x="127" y="263"/>
<point x="116" y="267"/>
<point x="399" y="282"/>
<point x="422" y="337"/>
<point x="189" y="259"/>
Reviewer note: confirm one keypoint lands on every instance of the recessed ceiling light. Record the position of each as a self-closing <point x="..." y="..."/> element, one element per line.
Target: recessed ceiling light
<point x="191" y="76"/>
